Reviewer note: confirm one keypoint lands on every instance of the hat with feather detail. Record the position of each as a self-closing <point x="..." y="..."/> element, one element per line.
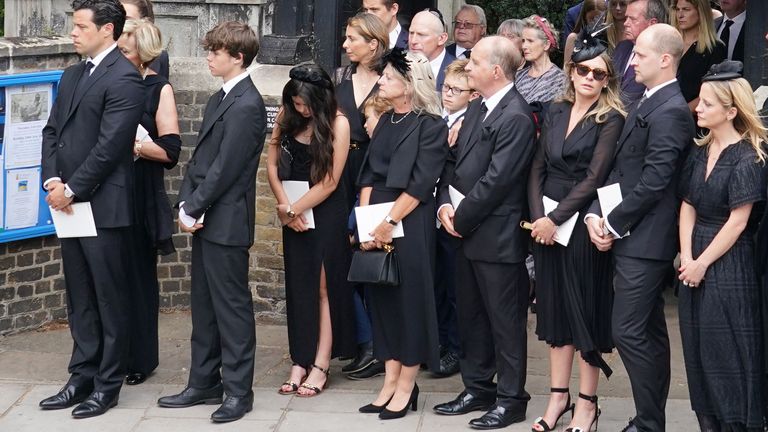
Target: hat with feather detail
<point x="588" y="45"/>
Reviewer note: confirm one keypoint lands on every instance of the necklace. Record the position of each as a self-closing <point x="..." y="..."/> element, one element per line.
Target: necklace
<point x="392" y="118"/>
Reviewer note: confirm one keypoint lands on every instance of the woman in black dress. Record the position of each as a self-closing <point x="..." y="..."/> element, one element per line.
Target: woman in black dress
<point x="574" y="290"/>
<point x="309" y="144"/>
<point x="723" y="188"/>
<point x="159" y="151"/>
<point x="402" y="165"/>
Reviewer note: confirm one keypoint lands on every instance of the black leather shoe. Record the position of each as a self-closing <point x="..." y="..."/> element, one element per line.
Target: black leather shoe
<point x="630" y="427"/>
<point x="464" y="403"/>
<point x="135" y="378"/>
<point x="449" y="365"/>
<point x="376" y="368"/>
<point x="95" y="405"/>
<point x="233" y="408"/>
<point x="192" y="396"/>
<point x="69" y="395"/>
<point x="363" y="359"/>
<point x="498" y="417"/>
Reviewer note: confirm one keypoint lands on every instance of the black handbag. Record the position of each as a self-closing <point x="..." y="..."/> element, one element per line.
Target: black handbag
<point x="375" y="267"/>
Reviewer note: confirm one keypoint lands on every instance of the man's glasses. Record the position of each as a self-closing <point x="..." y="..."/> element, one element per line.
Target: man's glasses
<point x="597" y="73"/>
<point x="454" y="90"/>
<point x="465" y="24"/>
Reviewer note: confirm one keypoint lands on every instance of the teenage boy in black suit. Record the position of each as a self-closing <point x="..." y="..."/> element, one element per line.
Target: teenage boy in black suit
<point x="220" y="184"/>
<point x="87" y="156"/>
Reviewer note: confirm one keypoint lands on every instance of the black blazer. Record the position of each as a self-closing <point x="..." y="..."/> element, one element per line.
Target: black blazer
<point x="88" y="140"/>
<point x="221" y="174"/>
<point x="738" y="49"/>
<point x="447" y="59"/>
<point x="402" y="38"/>
<point x="649" y="157"/>
<point x="570" y="169"/>
<point x="451" y="49"/>
<point x="417" y="160"/>
<point x="491" y="170"/>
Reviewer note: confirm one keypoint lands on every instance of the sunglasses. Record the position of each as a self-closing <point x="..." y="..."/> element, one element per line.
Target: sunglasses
<point x="597" y="73"/>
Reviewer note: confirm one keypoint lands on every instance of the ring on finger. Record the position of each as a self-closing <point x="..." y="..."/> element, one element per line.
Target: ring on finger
<point x="685" y="283"/>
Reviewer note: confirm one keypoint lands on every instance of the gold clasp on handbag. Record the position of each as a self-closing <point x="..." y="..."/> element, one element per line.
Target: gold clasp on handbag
<point x="388" y="247"/>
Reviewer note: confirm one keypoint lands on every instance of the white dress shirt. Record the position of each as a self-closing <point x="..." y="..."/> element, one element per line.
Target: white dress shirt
<point x="460" y="52"/>
<point x="393" y="35"/>
<point x="453" y="117"/>
<point x="437" y="63"/>
<point x="734" y="30"/>
<point x="491" y="102"/>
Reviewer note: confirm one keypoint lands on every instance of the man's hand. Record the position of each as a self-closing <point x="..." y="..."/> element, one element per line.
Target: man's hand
<point x="453" y="133"/>
<point x="56" y="198"/>
<point x="191" y="229"/>
<point x="603" y="242"/>
<point x="445" y="215"/>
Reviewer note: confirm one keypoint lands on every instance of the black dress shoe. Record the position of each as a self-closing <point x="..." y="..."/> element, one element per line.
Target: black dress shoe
<point x="135" y="378"/>
<point x="463" y="404"/>
<point x="498" y="417"/>
<point x="95" y="405"/>
<point x="192" y="396"/>
<point x="363" y="359"/>
<point x="376" y="368"/>
<point x="69" y="395"/>
<point x="233" y="408"/>
<point x="413" y="403"/>
<point x="449" y="365"/>
<point x="630" y="427"/>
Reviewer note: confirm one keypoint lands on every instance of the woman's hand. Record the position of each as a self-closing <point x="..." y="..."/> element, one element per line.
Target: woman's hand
<point x="382" y="234"/>
<point x="298" y="224"/>
<point x="282" y="214"/>
<point x="369" y="245"/>
<point x="543" y="231"/>
<point x="692" y="272"/>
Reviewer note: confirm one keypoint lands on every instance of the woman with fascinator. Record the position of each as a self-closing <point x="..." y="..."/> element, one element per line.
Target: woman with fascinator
<point x="309" y="144"/>
<point x="723" y="187"/>
<point x="404" y="160"/>
<point x="574" y="290"/>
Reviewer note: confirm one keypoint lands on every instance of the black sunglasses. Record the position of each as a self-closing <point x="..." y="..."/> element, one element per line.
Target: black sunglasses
<point x="597" y="73"/>
<point x="436" y="13"/>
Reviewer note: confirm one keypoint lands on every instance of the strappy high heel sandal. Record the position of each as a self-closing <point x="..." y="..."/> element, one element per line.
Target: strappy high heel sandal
<point x="594" y="421"/>
<point x="317" y="390"/>
<point x="568" y="407"/>
<point x="293" y="385"/>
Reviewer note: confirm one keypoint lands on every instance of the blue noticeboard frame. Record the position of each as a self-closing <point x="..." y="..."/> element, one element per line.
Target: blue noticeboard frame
<point x="44" y="225"/>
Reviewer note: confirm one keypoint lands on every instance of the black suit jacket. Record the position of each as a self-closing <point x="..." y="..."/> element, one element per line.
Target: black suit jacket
<point x="447" y="59"/>
<point x="451" y="49"/>
<point x="649" y="157"/>
<point x="491" y="170"/>
<point x="402" y="38"/>
<point x="738" y="49"/>
<point x="88" y="140"/>
<point x="221" y="174"/>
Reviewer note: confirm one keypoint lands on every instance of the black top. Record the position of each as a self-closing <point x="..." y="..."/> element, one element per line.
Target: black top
<point x="301" y="160"/>
<point x="345" y="97"/>
<point x="388" y="133"/>
<point x="694" y="65"/>
<point x="161" y="64"/>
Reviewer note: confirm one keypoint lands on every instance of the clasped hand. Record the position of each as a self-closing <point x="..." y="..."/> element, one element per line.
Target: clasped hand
<point x="446" y="215"/>
<point x="298" y="223"/>
<point x="56" y="198"/>
<point x="692" y="272"/>
<point x="596" y="228"/>
<point x="382" y="235"/>
<point x="543" y="231"/>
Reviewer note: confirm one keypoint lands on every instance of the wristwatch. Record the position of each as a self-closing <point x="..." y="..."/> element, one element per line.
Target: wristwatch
<point x="68" y="192"/>
<point x="291" y="214"/>
<point x="390" y="221"/>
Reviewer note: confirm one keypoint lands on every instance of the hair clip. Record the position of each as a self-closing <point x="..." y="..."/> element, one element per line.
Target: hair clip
<point x="310" y="73"/>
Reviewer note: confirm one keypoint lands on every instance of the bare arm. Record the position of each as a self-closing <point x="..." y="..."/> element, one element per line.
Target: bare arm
<point x="167" y="120"/>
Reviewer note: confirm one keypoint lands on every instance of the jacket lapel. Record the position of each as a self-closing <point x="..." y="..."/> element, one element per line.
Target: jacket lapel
<point x="637" y="116"/>
<point x="560" y="116"/>
<point x="229" y="99"/>
<point x="479" y="125"/>
<point x="471" y="122"/>
<point x="97" y="73"/>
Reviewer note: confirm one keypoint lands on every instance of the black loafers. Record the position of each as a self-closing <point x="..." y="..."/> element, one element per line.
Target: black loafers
<point x="498" y="417"/>
<point x="233" y="408"/>
<point x="449" y="365"/>
<point x="191" y="396"/>
<point x="94" y="405"/>
<point x="69" y="395"/>
<point x="463" y="404"/>
<point x="135" y="378"/>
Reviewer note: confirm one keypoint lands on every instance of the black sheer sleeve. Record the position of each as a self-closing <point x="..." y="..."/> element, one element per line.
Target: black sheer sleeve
<point x="538" y="174"/>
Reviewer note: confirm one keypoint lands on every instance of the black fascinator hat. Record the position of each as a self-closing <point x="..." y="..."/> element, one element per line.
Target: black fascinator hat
<point x="588" y="45"/>
<point x="312" y="74"/>
<point x="727" y="70"/>
<point x="396" y="58"/>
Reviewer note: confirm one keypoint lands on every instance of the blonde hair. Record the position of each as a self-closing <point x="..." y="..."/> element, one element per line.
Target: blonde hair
<point x="707" y="39"/>
<point x="377" y="104"/>
<point x="456" y="68"/>
<point x="613" y="32"/>
<point x="609" y="99"/>
<point x="149" y="42"/>
<point x="370" y="27"/>
<point x="421" y="83"/>
<point x="737" y="93"/>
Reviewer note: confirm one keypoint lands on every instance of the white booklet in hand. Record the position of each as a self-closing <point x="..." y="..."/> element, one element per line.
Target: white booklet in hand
<point x="78" y="224"/>
<point x="142" y="135"/>
<point x="564" y="231"/>
<point x="456" y="197"/>
<point x="609" y="197"/>
<point x="370" y="216"/>
<point x="295" y="190"/>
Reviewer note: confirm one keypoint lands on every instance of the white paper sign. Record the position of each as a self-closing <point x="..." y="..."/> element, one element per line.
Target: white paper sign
<point x="78" y="224"/>
<point x="295" y="190"/>
<point x="22" y="198"/>
<point x="370" y="216"/>
<point x="564" y="231"/>
<point x="609" y="197"/>
<point x="27" y="111"/>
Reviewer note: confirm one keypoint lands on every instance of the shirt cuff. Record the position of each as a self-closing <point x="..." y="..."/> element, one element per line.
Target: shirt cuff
<point x="611" y="230"/>
<point x="589" y="216"/>
<point x="187" y="220"/>
<point x="441" y="207"/>
<point x="69" y="189"/>
<point x="45" y="183"/>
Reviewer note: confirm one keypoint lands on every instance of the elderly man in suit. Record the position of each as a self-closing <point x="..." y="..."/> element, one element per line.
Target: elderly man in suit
<point x="730" y="27"/>
<point x="642" y="229"/>
<point x="387" y="10"/>
<point x="494" y="151"/>
<point x="469" y="26"/>
<point x="88" y="156"/>
<point x="427" y="36"/>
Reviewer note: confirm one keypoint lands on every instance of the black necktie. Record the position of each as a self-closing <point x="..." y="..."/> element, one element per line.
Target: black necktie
<point x="83" y="79"/>
<point x="446" y="118"/>
<point x="725" y="35"/>
<point x="219" y="97"/>
<point x="642" y="101"/>
<point x="483" y="111"/>
<point x="467" y="53"/>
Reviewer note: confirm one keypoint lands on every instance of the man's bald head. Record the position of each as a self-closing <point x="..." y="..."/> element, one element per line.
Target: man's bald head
<point x="428" y="20"/>
<point x="427" y="35"/>
<point x="658" y="50"/>
<point x="665" y="39"/>
<point x="503" y="52"/>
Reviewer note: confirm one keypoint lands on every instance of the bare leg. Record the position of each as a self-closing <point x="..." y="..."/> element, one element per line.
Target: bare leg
<point x="404" y="388"/>
<point x="560" y="361"/>
<point x="324" y="342"/>
<point x="392" y="370"/>
<point x="297" y="375"/>
<point x="585" y="410"/>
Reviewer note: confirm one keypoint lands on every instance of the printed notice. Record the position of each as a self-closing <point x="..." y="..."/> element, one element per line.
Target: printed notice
<point x="27" y="112"/>
<point x="22" y="197"/>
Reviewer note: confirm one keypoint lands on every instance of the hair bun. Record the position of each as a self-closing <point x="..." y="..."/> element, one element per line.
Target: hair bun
<point x="727" y="70"/>
<point x="310" y="73"/>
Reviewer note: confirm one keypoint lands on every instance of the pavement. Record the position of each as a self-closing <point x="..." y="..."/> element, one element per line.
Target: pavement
<point x="33" y="365"/>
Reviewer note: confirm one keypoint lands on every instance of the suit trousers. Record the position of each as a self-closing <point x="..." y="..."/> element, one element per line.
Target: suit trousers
<point x="491" y="303"/>
<point x="95" y="270"/>
<point x="640" y="334"/>
<point x="445" y="291"/>
<point x="223" y="325"/>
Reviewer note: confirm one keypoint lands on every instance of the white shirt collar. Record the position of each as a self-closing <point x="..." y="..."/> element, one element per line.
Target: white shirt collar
<point x="229" y="85"/>
<point x="738" y="19"/>
<point x="491" y="102"/>
<point x="459" y="51"/>
<point x="453" y="117"/>
<point x="437" y="63"/>
<point x="393" y="35"/>
<point x="651" y="91"/>
<point x="100" y="57"/>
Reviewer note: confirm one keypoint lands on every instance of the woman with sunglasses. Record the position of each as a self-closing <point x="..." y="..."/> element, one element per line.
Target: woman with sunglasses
<point x="541" y="81"/>
<point x="574" y="290"/>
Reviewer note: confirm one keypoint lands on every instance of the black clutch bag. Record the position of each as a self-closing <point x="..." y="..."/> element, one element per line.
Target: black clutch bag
<point x="375" y="267"/>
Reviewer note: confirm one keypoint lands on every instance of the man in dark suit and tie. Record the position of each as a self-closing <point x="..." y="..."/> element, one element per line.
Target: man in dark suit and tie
<point x="469" y="26"/>
<point x="387" y="10"/>
<point x="427" y="36"/>
<point x="87" y="156"/>
<point x="494" y="151"/>
<point x="642" y="229"/>
<point x="730" y="27"/>
<point x="217" y="204"/>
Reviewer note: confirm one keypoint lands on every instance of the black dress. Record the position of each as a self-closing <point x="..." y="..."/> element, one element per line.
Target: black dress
<point x="574" y="291"/>
<point x="404" y="317"/>
<point x="152" y="231"/>
<point x="304" y="254"/>
<point x="694" y="65"/>
<point x="720" y="319"/>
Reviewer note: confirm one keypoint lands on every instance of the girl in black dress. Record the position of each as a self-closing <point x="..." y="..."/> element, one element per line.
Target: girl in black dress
<point x="723" y="188"/>
<point x="309" y="144"/>
<point x="402" y="165"/>
<point x="574" y="290"/>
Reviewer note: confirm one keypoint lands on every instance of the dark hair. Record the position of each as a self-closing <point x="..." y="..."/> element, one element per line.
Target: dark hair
<point x="319" y="97"/>
<point x="104" y="12"/>
<point x="144" y="7"/>
<point x="234" y="37"/>
<point x="657" y="9"/>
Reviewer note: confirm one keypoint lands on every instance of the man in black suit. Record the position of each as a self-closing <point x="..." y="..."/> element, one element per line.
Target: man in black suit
<point x="387" y="10"/>
<point x="217" y="204"/>
<point x="494" y="151"/>
<point x="427" y="36"/>
<point x="642" y="229"/>
<point x="87" y="156"/>
<point x="469" y="26"/>
<point x="730" y="27"/>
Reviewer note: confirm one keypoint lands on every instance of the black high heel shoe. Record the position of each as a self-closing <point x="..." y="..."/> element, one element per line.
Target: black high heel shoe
<point x="594" y="421"/>
<point x="413" y="402"/>
<point x="374" y="409"/>
<point x="568" y="407"/>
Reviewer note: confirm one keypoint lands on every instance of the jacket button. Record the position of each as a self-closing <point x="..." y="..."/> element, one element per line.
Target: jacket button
<point x="61" y="145"/>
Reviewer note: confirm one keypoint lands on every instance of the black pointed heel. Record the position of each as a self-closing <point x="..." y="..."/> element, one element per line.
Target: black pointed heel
<point x="413" y="403"/>
<point x="374" y="409"/>
<point x="568" y="407"/>
<point x="594" y="421"/>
